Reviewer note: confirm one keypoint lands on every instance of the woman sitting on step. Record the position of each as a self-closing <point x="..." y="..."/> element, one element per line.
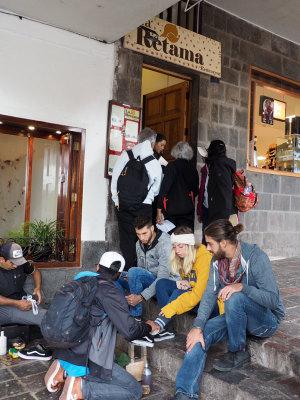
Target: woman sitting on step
<point x="192" y="261"/>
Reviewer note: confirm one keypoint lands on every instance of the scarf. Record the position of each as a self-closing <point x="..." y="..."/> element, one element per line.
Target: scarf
<point x="231" y="271"/>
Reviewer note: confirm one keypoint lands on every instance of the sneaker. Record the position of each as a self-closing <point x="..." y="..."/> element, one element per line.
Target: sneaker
<point x="232" y="360"/>
<point x="146" y="341"/>
<point x="72" y="389"/>
<point x="38" y="352"/>
<point x="55" y="377"/>
<point x="164" y="335"/>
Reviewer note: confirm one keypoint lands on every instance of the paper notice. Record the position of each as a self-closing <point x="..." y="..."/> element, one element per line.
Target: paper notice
<point x="131" y="131"/>
<point x="112" y="159"/>
<point x="117" y="116"/>
<point x="115" y="140"/>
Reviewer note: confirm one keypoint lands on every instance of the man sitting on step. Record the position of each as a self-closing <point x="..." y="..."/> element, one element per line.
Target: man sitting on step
<point x="241" y="275"/>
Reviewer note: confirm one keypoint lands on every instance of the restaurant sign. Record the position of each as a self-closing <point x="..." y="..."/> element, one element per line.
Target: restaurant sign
<point x="159" y="38"/>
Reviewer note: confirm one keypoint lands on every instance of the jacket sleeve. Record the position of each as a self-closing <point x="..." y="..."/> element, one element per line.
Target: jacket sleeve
<point x="116" y="307"/>
<point x="155" y="175"/>
<point x="120" y="164"/>
<point x="188" y="300"/>
<point x="209" y="298"/>
<point x="163" y="251"/>
<point x="167" y="182"/>
<point x="266" y="291"/>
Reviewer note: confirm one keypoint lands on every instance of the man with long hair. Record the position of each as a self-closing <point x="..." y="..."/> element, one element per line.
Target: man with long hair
<point x="241" y="275"/>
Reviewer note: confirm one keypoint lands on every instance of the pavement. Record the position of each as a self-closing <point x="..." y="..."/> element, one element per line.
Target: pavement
<point x="23" y="380"/>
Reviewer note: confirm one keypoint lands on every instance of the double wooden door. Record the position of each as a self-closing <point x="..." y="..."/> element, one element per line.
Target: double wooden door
<point x="167" y="111"/>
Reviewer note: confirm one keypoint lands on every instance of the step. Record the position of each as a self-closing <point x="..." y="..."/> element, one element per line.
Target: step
<point x="253" y="382"/>
<point x="280" y="352"/>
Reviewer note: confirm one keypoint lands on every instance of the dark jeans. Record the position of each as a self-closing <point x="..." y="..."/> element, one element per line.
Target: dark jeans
<point x="127" y="232"/>
<point x="242" y="315"/>
<point x="123" y="386"/>
<point x="204" y="216"/>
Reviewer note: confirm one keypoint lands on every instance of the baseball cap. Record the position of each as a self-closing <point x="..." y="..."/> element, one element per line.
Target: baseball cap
<point x="202" y="151"/>
<point x="110" y="257"/>
<point x="13" y="252"/>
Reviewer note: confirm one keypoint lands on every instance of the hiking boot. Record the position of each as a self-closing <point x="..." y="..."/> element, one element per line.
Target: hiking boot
<point x="164" y="335"/>
<point x="146" y="341"/>
<point x="72" y="389"/>
<point x="38" y="352"/>
<point x="230" y="361"/>
<point x="55" y="377"/>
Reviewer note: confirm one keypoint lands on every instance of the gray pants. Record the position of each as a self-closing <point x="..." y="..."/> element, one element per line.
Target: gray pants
<point x="123" y="386"/>
<point x="13" y="315"/>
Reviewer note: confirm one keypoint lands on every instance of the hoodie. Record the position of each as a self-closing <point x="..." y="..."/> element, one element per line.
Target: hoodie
<point x="258" y="280"/>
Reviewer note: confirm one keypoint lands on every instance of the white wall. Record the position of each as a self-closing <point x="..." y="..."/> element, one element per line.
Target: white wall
<point x="51" y="75"/>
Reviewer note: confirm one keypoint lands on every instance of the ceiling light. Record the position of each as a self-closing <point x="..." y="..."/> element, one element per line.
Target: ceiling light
<point x="1" y="122"/>
<point x="58" y="132"/>
<point x="31" y="128"/>
<point x="261" y="158"/>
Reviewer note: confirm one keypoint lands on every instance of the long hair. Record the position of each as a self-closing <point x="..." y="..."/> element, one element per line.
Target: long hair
<point x="222" y="229"/>
<point x="186" y="263"/>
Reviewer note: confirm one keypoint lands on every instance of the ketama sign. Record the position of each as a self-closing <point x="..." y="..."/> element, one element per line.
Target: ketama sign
<point x="159" y="38"/>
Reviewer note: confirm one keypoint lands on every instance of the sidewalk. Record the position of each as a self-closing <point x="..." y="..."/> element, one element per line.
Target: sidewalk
<point x="24" y="379"/>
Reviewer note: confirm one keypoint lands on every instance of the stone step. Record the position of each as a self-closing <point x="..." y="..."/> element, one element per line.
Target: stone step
<point x="253" y="382"/>
<point x="280" y="352"/>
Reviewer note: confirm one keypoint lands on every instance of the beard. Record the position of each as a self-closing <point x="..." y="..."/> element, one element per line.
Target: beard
<point x="218" y="255"/>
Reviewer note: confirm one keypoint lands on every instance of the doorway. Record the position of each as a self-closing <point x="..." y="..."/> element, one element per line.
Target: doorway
<point x="166" y="103"/>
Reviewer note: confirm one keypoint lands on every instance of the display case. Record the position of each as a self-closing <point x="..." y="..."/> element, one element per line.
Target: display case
<point x="288" y="153"/>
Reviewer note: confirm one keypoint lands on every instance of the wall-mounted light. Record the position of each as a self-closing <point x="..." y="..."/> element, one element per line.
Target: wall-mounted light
<point x="58" y="132"/>
<point x="31" y="127"/>
<point x="1" y="122"/>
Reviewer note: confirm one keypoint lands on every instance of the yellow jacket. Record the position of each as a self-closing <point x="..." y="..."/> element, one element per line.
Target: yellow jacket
<point x="197" y="278"/>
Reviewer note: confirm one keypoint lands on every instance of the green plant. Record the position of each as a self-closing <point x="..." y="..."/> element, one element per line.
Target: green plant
<point x="45" y="233"/>
<point x="20" y="235"/>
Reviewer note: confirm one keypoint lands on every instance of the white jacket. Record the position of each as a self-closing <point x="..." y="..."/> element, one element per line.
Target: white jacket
<point x="153" y="169"/>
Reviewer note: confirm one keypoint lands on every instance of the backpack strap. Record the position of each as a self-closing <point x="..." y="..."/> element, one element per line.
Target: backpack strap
<point x="130" y="155"/>
<point x="147" y="159"/>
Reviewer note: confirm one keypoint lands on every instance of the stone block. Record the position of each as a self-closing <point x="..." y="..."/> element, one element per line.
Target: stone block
<point x="231" y="152"/>
<point x="241" y="159"/>
<point x="244" y="80"/>
<point x="252" y="220"/>
<point x="243" y="136"/>
<point x="225" y="61"/>
<point x="202" y="132"/>
<point x="216" y="91"/>
<point x="211" y="32"/>
<point x="220" y="20"/>
<point x="280" y="45"/>
<point x="266" y="40"/>
<point x="225" y="115"/>
<point x="271" y="183"/>
<point x="281" y="202"/>
<point x="244" y="97"/>
<point x="256" y="179"/>
<point x="235" y="48"/>
<point x="291" y="69"/>
<point x="218" y="132"/>
<point x="236" y="65"/>
<point x="209" y="14"/>
<point x="265" y="201"/>
<point x="295" y="203"/>
<point x="225" y="44"/>
<point x="255" y="55"/>
<point x="241" y="118"/>
<point x="232" y="94"/>
<point x="290" y="185"/>
<point x="204" y="109"/>
<point x="91" y="252"/>
<point x="276" y="222"/>
<point x="230" y="76"/>
<point x="233" y="137"/>
<point x="235" y="25"/>
<point x="215" y="113"/>
<point x="204" y="88"/>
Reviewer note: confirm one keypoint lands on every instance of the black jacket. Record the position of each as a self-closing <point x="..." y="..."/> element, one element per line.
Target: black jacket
<point x="220" y="188"/>
<point x="179" y="188"/>
<point x="110" y="300"/>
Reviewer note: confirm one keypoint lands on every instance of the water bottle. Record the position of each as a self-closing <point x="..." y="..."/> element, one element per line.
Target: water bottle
<point x="147" y="375"/>
<point x="3" y="344"/>
<point x="248" y="189"/>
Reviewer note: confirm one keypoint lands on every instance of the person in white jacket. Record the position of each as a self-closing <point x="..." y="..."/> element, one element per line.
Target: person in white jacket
<point x="127" y="233"/>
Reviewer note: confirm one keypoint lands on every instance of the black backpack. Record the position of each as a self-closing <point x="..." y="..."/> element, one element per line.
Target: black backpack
<point x="66" y="322"/>
<point x="132" y="185"/>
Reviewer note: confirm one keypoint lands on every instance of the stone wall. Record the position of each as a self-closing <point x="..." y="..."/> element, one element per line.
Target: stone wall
<point x="223" y="114"/>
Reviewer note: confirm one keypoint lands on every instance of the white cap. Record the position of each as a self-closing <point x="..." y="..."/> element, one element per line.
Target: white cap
<point x="111" y="256"/>
<point x="202" y="151"/>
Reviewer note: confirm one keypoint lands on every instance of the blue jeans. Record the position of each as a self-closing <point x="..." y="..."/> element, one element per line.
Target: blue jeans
<point x="138" y="280"/>
<point x="242" y="315"/>
<point x="123" y="386"/>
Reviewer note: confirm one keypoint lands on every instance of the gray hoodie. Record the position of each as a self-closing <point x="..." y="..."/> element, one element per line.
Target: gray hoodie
<point x="259" y="284"/>
<point x="155" y="259"/>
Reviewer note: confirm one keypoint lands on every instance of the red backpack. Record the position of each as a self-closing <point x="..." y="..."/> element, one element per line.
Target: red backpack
<point x="245" y="196"/>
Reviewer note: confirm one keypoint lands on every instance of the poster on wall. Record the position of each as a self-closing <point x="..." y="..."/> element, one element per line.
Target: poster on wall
<point x="123" y="128"/>
<point x="266" y="110"/>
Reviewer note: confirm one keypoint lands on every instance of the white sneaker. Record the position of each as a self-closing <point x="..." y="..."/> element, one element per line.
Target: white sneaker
<point x="146" y="341"/>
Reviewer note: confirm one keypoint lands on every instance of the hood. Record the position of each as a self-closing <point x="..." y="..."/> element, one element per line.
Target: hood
<point x="143" y="150"/>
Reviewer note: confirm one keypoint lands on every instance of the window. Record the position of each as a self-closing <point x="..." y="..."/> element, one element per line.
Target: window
<point x="274" y="140"/>
<point x="41" y="168"/>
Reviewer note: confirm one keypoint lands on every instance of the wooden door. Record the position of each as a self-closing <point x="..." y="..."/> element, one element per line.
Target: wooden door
<point x="167" y="112"/>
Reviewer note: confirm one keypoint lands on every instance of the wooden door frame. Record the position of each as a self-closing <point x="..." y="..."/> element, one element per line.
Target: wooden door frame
<point x="18" y="126"/>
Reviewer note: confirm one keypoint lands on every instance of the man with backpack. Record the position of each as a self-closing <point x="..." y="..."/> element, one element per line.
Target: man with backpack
<point x="87" y="369"/>
<point x="135" y="182"/>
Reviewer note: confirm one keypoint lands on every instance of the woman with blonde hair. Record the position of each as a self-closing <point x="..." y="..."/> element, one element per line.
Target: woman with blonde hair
<point x="192" y="262"/>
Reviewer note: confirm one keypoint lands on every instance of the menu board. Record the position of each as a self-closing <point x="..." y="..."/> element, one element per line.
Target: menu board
<point x="123" y="128"/>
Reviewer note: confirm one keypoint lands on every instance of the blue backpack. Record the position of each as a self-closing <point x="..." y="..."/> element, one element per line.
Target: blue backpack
<point x="66" y="322"/>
